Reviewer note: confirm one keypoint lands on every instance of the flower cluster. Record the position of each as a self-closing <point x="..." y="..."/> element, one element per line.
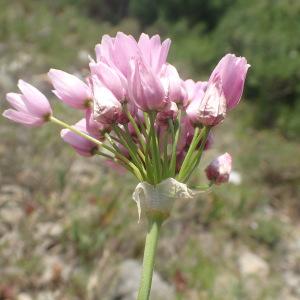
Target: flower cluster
<point x="137" y="111"/>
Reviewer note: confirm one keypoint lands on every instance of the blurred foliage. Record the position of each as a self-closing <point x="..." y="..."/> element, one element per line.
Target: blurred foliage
<point x="264" y="31"/>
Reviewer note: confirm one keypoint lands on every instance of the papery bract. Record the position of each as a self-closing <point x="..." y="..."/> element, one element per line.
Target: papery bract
<point x="232" y="70"/>
<point x="81" y="145"/>
<point x="219" y="169"/>
<point x="70" y="89"/>
<point x="30" y="108"/>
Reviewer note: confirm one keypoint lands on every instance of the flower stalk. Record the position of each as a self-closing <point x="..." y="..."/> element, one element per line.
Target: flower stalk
<point x="149" y="257"/>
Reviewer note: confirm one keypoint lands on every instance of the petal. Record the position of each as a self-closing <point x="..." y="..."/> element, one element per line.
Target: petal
<point x="16" y="101"/>
<point x="22" y="118"/>
<point x="35" y="101"/>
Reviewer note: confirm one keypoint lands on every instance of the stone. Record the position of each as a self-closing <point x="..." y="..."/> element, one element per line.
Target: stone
<point x="24" y="296"/>
<point x="252" y="264"/>
<point x="128" y="279"/>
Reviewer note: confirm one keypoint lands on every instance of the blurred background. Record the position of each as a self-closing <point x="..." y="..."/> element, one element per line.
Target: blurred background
<point x="68" y="225"/>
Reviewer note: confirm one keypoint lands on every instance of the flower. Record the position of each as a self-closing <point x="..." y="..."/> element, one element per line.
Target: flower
<point x="110" y="78"/>
<point x="117" y="52"/>
<point x="153" y="51"/>
<point x="174" y="86"/>
<point x="232" y="71"/>
<point x="30" y="108"/>
<point x="70" y="89"/>
<point x="194" y="89"/>
<point x="170" y="112"/>
<point x="107" y="108"/>
<point x="81" y="145"/>
<point x="219" y="169"/>
<point x="145" y="88"/>
<point x="208" y="109"/>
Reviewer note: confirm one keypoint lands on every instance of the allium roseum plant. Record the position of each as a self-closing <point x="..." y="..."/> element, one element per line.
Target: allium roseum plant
<point x="141" y="116"/>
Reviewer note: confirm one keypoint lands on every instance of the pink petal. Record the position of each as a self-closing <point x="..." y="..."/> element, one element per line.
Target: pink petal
<point x="22" y="118"/>
<point x="35" y="101"/>
<point x="16" y="101"/>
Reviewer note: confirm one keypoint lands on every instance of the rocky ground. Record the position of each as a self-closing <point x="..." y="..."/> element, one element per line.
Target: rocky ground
<point x="68" y="225"/>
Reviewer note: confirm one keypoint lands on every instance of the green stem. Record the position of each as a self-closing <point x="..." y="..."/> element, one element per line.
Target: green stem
<point x="136" y="128"/>
<point x="174" y="148"/>
<point x="149" y="258"/>
<point x="196" y="160"/>
<point x="75" y="130"/>
<point x="192" y="148"/>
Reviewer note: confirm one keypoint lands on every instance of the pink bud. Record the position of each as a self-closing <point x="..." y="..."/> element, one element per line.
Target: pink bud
<point x="30" y="108"/>
<point x="70" y="89"/>
<point x="210" y="109"/>
<point x="232" y="70"/>
<point x="145" y="88"/>
<point x="107" y="108"/>
<point x="81" y="145"/>
<point x="219" y="169"/>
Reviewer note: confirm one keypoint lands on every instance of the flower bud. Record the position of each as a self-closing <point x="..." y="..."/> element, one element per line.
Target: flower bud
<point x="70" y="89"/>
<point x="219" y="169"/>
<point x="81" y="145"/>
<point x="232" y="71"/>
<point x="31" y="108"/>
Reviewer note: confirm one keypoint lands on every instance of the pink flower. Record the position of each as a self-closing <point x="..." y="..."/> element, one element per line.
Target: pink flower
<point x="174" y="86"/>
<point x="30" y="108"/>
<point x="153" y="51"/>
<point x="81" y="145"/>
<point x="145" y="88"/>
<point x="70" y="89"/>
<point x="110" y="78"/>
<point x="170" y="112"/>
<point x="209" y="109"/>
<point x="219" y="169"/>
<point x="232" y="70"/>
<point x="117" y="52"/>
<point x="107" y="108"/>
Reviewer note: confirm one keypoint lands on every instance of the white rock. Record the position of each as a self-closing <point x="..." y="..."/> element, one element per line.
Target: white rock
<point x="24" y="296"/>
<point x="251" y="264"/>
<point x="235" y="178"/>
<point x="128" y="283"/>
